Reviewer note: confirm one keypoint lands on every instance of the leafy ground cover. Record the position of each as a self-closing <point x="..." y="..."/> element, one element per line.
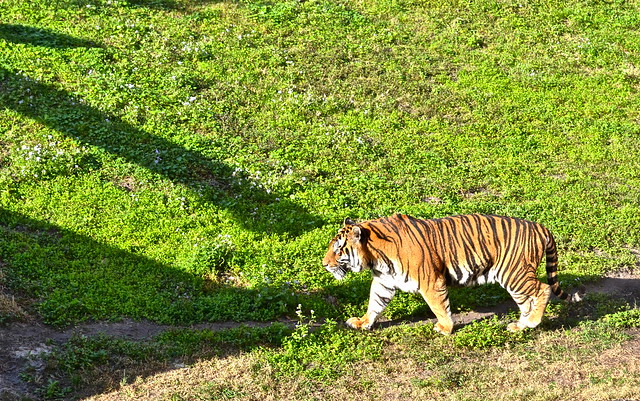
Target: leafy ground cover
<point x="187" y="162"/>
<point x="595" y="359"/>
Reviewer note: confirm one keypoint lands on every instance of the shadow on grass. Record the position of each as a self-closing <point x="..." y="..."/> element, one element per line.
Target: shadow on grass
<point x="158" y="4"/>
<point x="74" y="278"/>
<point x="87" y="366"/>
<point x="219" y="183"/>
<point x="151" y="4"/>
<point x="41" y="37"/>
<point x="67" y="278"/>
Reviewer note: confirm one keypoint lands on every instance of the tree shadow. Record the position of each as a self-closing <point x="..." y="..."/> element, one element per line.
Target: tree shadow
<point x="151" y="4"/>
<point x="255" y="208"/>
<point x="127" y="361"/>
<point x="41" y="37"/>
<point x="157" y="4"/>
<point x="65" y="277"/>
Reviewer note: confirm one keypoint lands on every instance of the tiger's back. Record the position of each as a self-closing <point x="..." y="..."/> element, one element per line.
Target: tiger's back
<point x="425" y="255"/>
<point x="469" y="249"/>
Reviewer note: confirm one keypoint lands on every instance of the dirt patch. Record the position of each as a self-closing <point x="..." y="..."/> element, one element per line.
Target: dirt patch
<point x="624" y="284"/>
<point x="24" y="344"/>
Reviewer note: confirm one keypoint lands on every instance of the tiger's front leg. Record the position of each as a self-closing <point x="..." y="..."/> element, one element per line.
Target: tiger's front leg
<point x="379" y="298"/>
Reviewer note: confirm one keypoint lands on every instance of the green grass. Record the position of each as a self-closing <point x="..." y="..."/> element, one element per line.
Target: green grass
<point x="313" y="356"/>
<point x="102" y="361"/>
<point x="181" y="155"/>
<point x="187" y="162"/>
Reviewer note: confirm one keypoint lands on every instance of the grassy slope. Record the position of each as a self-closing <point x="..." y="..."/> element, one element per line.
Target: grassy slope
<point x="188" y="161"/>
<point x="590" y="362"/>
<point x="154" y="150"/>
<point x="613" y="374"/>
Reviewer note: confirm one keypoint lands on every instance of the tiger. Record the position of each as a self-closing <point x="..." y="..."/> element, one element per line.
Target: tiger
<point x="425" y="256"/>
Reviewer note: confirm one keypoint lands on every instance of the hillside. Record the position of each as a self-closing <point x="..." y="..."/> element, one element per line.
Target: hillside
<point x="184" y="163"/>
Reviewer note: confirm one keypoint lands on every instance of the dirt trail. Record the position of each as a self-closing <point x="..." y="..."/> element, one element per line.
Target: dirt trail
<point x="22" y="345"/>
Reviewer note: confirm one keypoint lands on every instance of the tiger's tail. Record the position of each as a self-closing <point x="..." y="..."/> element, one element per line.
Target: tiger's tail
<point x="552" y="273"/>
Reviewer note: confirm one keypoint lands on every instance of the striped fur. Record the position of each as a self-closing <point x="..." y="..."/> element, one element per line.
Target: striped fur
<point x="424" y="256"/>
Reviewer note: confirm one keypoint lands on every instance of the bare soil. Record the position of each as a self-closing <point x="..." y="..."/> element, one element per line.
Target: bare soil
<point x="23" y="344"/>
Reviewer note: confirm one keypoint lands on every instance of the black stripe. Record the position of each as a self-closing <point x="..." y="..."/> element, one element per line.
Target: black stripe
<point x="385" y="300"/>
<point x="509" y="264"/>
<point x="379" y="233"/>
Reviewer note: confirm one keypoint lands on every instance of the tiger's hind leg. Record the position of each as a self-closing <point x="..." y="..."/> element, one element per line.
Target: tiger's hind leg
<point x="532" y="301"/>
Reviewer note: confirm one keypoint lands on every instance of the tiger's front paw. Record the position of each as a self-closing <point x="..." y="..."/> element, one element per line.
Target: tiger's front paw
<point x="445" y="330"/>
<point x="515" y="327"/>
<point x="357" y="323"/>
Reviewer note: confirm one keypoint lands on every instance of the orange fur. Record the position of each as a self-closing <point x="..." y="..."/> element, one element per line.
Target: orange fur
<point x="424" y="256"/>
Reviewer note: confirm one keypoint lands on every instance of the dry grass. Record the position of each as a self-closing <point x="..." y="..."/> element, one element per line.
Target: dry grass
<point x="9" y="308"/>
<point x="552" y="369"/>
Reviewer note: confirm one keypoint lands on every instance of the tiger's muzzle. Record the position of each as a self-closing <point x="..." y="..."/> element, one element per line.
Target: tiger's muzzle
<point x="338" y="271"/>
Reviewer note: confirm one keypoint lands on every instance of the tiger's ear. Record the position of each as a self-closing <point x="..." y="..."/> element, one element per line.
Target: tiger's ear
<point x="348" y="222"/>
<point x="356" y="234"/>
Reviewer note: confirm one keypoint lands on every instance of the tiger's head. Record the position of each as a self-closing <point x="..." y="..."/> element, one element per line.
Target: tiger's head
<point x="347" y="250"/>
